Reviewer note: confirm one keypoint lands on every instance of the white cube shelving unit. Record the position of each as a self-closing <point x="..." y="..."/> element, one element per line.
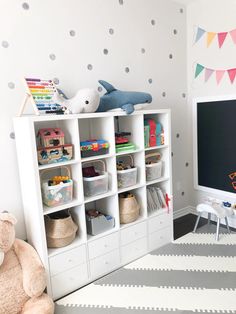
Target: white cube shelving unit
<point x="90" y="257"/>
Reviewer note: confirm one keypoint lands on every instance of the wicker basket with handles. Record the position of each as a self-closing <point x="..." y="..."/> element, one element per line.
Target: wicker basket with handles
<point x="56" y="194"/>
<point x="153" y="170"/>
<point x="60" y="229"/>
<point x="129" y="209"/>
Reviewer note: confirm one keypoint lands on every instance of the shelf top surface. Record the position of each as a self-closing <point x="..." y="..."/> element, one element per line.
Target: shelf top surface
<point x="48" y="117"/>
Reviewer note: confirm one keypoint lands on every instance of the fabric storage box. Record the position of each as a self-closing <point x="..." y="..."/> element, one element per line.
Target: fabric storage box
<point x="93" y="148"/>
<point x="127" y="177"/>
<point x="153" y="166"/>
<point x="48" y="155"/>
<point x="58" y="194"/>
<point x="99" y="224"/>
<point x="96" y="185"/>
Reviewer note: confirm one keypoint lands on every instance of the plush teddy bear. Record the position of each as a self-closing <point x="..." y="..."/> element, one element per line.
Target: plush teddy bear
<point x="22" y="276"/>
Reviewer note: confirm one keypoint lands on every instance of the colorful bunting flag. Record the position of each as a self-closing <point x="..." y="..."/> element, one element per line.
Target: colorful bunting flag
<point x="210" y="36"/>
<point x="218" y="73"/>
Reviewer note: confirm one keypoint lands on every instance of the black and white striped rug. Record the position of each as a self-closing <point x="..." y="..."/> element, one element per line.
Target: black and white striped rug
<point x="194" y="274"/>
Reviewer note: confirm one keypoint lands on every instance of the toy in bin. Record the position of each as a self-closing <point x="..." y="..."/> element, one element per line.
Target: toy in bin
<point x="126" y="172"/>
<point x="93" y="148"/>
<point x="154" y="166"/>
<point x="56" y="190"/>
<point x="95" y="180"/>
<point x="48" y="155"/>
<point x="51" y="137"/>
<point x="97" y="222"/>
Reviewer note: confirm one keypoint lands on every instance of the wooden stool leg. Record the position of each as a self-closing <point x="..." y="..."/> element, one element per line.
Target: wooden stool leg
<point x="217" y="229"/>
<point x="197" y="221"/>
<point x="227" y="224"/>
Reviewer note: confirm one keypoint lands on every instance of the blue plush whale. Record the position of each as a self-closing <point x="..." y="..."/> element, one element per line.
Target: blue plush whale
<point x="114" y="99"/>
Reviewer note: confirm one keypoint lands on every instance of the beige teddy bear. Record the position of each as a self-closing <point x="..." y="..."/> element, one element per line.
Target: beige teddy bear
<point x="22" y="276"/>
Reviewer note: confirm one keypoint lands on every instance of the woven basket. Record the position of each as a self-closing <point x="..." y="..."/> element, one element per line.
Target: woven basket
<point x="60" y="229"/>
<point x="129" y="209"/>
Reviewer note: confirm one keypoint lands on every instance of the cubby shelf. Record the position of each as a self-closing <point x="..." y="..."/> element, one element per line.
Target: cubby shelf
<point x="88" y="255"/>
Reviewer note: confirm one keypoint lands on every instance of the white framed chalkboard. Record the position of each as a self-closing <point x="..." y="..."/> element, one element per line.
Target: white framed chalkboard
<point x="214" y="136"/>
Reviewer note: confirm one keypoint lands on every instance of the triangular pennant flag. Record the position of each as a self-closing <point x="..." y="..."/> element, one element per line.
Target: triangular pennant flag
<point x="210" y="37"/>
<point x="233" y="35"/>
<point x="221" y="38"/>
<point x="199" y="69"/>
<point x="219" y="75"/>
<point x="208" y="74"/>
<point x="232" y="74"/>
<point x="200" y="33"/>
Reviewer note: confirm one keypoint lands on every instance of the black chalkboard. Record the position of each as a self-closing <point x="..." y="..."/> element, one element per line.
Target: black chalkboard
<point x="216" y="143"/>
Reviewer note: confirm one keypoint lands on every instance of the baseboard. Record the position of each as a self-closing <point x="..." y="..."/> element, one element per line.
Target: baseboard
<point x="182" y="212"/>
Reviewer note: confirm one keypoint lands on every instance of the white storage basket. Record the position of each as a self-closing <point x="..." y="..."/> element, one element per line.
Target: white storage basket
<point x="127" y="177"/>
<point x="96" y="185"/>
<point x="154" y="170"/>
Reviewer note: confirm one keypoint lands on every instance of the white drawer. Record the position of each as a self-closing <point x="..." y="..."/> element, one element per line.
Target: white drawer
<point x="159" y="222"/>
<point x="103" y="245"/>
<point x="69" y="281"/>
<point x="69" y="259"/>
<point x="133" y="233"/>
<point x="133" y="250"/>
<point x="104" y="264"/>
<point x="160" y="238"/>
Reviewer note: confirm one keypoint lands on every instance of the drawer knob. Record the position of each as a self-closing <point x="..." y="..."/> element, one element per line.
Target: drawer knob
<point x="161" y="222"/>
<point x="105" y="245"/>
<point x="161" y="237"/>
<point x="69" y="260"/>
<point x="135" y="233"/>
<point x="106" y="263"/>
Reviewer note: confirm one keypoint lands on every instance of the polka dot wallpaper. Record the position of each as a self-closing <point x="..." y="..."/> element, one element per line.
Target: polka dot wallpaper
<point x="134" y="44"/>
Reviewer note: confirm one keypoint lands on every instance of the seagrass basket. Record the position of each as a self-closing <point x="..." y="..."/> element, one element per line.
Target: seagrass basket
<point x="60" y="229"/>
<point x="129" y="208"/>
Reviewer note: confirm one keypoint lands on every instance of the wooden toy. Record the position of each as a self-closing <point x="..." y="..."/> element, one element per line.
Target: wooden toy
<point x="51" y="137"/>
<point x="48" y="155"/>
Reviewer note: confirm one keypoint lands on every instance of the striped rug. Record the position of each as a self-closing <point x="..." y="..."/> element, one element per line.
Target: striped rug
<point x="194" y="274"/>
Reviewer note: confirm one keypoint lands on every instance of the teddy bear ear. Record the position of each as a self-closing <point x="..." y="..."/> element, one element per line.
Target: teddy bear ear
<point x="5" y="216"/>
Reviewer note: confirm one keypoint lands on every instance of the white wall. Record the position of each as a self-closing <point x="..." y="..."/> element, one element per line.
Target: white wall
<point x="215" y="16"/>
<point x="36" y="41"/>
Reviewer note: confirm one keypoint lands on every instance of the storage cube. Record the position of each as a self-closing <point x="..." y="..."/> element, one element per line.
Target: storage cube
<point x="57" y="194"/>
<point x="126" y="177"/>
<point x="99" y="224"/>
<point x="154" y="171"/>
<point x="96" y="185"/>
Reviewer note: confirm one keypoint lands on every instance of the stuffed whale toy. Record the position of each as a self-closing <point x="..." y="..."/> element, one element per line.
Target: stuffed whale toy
<point x="115" y="99"/>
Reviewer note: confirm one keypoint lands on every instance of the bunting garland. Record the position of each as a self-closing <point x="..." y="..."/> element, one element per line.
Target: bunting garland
<point x="219" y="74"/>
<point x="210" y="36"/>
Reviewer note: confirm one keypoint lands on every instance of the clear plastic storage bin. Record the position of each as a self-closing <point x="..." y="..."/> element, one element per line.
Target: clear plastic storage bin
<point x="127" y="177"/>
<point x="153" y="170"/>
<point x="58" y="194"/>
<point x="96" y="185"/>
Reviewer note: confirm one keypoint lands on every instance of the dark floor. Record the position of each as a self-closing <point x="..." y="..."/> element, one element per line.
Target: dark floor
<point x="185" y="224"/>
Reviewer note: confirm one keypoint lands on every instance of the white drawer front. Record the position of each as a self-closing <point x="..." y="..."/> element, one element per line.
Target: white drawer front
<point x="133" y="233"/>
<point x="159" y="222"/>
<point x="104" y="264"/>
<point x="69" y="281"/>
<point x="160" y="238"/>
<point x="133" y="250"/>
<point x="66" y="260"/>
<point x="104" y="245"/>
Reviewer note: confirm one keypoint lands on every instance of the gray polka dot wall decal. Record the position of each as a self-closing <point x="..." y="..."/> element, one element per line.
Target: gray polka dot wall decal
<point x="150" y="81"/>
<point x="127" y="70"/>
<point x="52" y="56"/>
<point x="5" y="44"/>
<point x="172" y="154"/>
<point x="182" y="193"/>
<point x="12" y="135"/>
<point x="177" y="135"/>
<point x="175" y="31"/>
<point x="143" y="50"/>
<point x="153" y="22"/>
<point x="121" y="2"/>
<point x="72" y="33"/>
<point x="56" y="80"/>
<point x="184" y="95"/>
<point x="11" y="85"/>
<point x="186" y="164"/>
<point x="99" y="88"/>
<point x="25" y="6"/>
<point x="181" y="10"/>
<point x="164" y="94"/>
<point x="105" y="51"/>
<point x="89" y="67"/>
<point x="170" y="56"/>
<point x="111" y="31"/>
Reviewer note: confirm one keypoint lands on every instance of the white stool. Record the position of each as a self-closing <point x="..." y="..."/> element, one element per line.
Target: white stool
<point x="216" y="209"/>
